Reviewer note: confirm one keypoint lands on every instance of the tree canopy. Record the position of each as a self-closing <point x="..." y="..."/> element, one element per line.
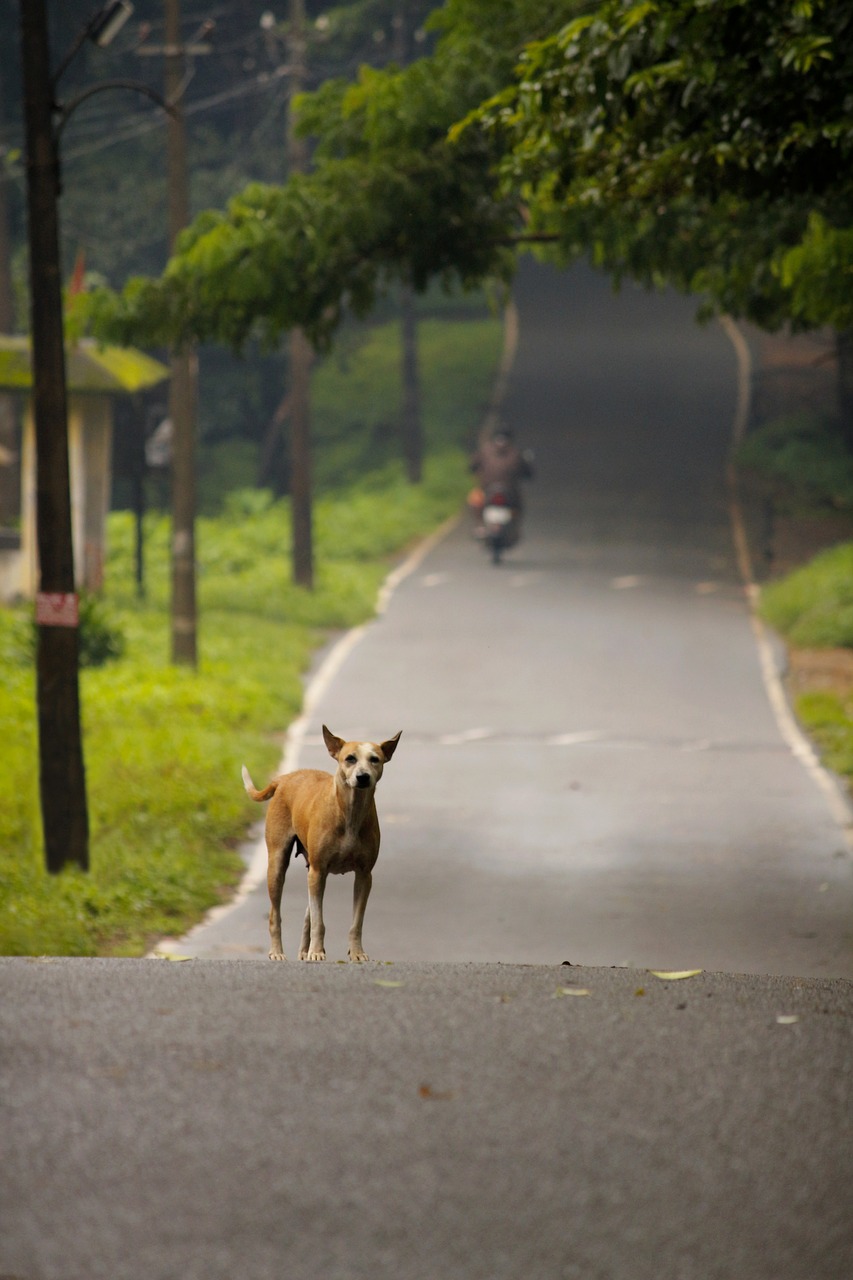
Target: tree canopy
<point x="706" y="143"/>
<point x="694" y="140"/>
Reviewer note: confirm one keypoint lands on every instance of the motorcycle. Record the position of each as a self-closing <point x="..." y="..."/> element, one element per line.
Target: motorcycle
<point x="501" y="521"/>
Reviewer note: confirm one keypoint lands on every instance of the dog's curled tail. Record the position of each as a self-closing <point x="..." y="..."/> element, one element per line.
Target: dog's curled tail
<point x="252" y="790"/>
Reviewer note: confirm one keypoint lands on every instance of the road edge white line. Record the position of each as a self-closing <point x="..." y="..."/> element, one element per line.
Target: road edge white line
<point x="792" y="735"/>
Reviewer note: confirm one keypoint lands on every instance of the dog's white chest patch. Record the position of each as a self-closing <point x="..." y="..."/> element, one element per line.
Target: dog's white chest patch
<point x="343" y="856"/>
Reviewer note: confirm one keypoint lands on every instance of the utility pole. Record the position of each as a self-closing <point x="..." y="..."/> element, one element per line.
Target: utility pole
<point x="412" y="428"/>
<point x="300" y="352"/>
<point x="9" y="467"/>
<point x="62" y="778"/>
<point x="182" y="388"/>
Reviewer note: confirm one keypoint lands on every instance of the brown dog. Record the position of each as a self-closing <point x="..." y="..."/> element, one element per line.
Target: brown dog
<point x="331" y="819"/>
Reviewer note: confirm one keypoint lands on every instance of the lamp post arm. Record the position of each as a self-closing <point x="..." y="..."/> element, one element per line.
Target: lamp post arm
<point x="65" y="111"/>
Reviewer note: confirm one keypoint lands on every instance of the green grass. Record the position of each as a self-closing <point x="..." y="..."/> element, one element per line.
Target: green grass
<point x="829" y="720"/>
<point x="813" y="606"/>
<point x="813" y="609"/>
<point x="163" y="745"/>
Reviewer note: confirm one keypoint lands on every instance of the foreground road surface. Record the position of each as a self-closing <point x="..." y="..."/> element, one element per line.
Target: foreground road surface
<point x="590" y="769"/>
<point x="216" y="1120"/>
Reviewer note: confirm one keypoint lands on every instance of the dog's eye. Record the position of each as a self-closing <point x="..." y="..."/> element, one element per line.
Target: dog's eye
<point x="374" y="759"/>
<point x="351" y="760"/>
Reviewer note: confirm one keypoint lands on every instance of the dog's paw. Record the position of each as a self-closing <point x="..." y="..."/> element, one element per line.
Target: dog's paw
<point x="315" y="955"/>
<point x="277" y="955"/>
<point x="357" y="957"/>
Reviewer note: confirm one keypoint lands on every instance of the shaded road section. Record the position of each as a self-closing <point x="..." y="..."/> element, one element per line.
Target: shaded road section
<point x="590" y="768"/>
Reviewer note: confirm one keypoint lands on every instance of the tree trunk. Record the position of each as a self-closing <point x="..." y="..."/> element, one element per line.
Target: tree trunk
<point x="413" y="443"/>
<point x="844" y="350"/>
<point x="301" y="354"/>
<point x="62" y="779"/>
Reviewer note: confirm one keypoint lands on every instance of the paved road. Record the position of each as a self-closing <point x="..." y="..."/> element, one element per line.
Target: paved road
<point x="242" y="1120"/>
<point x="590" y="768"/>
<point x="590" y="771"/>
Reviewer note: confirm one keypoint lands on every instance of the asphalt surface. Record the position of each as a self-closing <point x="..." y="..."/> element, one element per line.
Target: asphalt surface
<point x="213" y="1120"/>
<point x="590" y="770"/>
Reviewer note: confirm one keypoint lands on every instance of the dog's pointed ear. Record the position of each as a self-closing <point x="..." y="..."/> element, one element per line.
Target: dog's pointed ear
<point x="332" y="743"/>
<point x="389" y="747"/>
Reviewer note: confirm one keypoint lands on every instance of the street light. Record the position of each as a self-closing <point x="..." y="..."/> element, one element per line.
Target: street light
<point x="62" y="780"/>
<point x="106" y="25"/>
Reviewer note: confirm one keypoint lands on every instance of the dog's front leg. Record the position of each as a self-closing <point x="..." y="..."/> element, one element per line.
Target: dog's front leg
<point x="360" y="894"/>
<point x="316" y="888"/>
<point x="306" y="934"/>
<point x="277" y="864"/>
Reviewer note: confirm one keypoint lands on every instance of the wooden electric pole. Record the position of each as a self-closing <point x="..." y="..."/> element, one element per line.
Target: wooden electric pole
<point x="182" y="388"/>
<point x="300" y="351"/>
<point x="62" y="779"/>
<point x="412" y="427"/>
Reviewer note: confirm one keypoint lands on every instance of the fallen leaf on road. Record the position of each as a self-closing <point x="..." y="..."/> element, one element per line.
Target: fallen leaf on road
<point x="382" y="982"/>
<point x="570" y="991"/>
<point x="787" y="1019"/>
<point x="427" y="1091"/>
<point x="674" y="975"/>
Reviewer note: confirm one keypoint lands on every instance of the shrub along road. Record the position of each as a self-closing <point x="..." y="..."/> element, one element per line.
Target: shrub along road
<point x="590" y="771"/>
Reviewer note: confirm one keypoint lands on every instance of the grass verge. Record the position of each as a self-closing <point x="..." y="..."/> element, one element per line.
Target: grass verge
<point x="164" y="745"/>
<point x="812" y="608"/>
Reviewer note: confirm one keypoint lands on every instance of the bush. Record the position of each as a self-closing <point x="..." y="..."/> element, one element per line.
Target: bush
<point x="813" y="606"/>
<point x="806" y="453"/>
<point x="101" y="638"/>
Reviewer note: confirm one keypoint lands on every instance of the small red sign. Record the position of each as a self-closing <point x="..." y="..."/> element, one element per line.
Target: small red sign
<point x="57" y="609"/>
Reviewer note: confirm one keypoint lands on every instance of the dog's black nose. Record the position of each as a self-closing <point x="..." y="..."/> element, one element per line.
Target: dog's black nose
<point x="362" y="779"/>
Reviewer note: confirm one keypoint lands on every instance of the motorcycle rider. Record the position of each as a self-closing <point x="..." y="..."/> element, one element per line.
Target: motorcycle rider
<point x="499" y="463"/>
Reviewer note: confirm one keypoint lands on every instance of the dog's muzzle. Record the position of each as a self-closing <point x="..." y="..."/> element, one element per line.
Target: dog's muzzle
<point x="362" y="779"/>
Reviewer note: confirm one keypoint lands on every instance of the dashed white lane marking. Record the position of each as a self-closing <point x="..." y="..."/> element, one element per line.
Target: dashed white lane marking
<point x="467" y="735"/>
<point x="575" y="739"/>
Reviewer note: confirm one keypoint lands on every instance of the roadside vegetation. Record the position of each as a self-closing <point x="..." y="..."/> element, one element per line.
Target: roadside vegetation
<point x="164" y="744"/>
<point x="805" y="465"/>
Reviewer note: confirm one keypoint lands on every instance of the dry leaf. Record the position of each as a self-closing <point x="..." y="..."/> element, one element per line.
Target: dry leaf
<point x="427" y="1091"/>
<point x="382" y="982"/>
<point x="570" y="991"/>
<point x="674" y="975"/>
<point x="641" y="991"/>
<point x="787" y="1019"/>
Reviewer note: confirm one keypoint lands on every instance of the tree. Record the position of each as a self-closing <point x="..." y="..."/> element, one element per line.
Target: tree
<point x="708" y="145"/>
<point x="391" y="199"/>
<point x="677" y="141"/>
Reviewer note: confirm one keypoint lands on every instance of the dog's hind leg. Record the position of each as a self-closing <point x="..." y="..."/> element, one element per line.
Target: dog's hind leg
<point x="277" y="864"/>
<point x="316" y="888"/>
<point x="360" y="894"/>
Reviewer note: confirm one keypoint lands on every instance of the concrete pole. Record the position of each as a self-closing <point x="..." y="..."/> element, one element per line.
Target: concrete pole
<point x="62" y="779"/>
